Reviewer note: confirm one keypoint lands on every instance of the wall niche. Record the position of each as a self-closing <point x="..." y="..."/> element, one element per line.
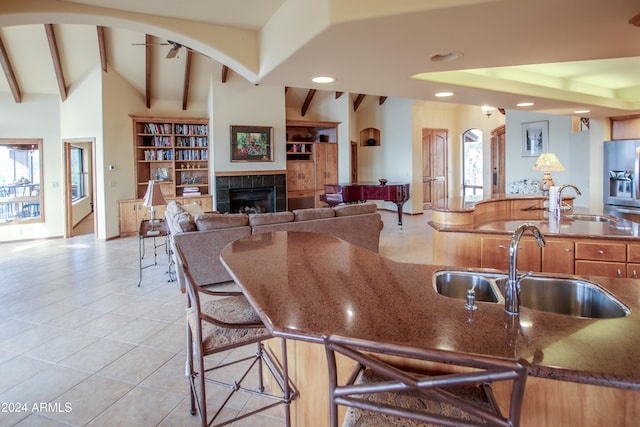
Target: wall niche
<point x="370" y="137"/>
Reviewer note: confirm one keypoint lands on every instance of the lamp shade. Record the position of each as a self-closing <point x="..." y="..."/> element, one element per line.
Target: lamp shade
<point x="548" y="162"/>
<point x="153" y="196"/>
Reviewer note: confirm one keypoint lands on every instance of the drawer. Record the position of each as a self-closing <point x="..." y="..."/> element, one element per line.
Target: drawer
<point x="601" y="251"/>
<point x="301" y="193"/>
<point x="596" y="268"/>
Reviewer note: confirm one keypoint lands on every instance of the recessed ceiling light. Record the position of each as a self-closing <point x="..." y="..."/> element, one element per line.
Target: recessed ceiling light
<point x="322" y="79"/>
<point x="446" y="56"/>
<point x="443" y="94"/>
<point x="582" y="111"/>
<point x="524" y="104"/>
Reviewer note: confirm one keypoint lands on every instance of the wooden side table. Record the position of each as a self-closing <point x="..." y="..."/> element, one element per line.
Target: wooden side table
<point x="146" y="231"/>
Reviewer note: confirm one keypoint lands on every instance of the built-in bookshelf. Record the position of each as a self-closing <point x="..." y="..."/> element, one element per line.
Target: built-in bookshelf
<point x="173" y="151"/>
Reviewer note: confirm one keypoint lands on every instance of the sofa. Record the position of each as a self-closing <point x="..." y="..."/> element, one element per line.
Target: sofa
<point x="201" y="236"/>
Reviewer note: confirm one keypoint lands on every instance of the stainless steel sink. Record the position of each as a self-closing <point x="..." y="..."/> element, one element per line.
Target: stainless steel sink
<point x="591" y="218"/>
<point x="455" y="284"/>
<point x="567" y="296"/>
<point x="571" y="297"/>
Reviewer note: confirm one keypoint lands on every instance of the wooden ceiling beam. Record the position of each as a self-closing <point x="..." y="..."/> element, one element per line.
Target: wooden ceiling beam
<point x="635" y="20"/>
<point x="225" y="73"/>
<point x="102" y="47"/>
<point x="307" y="101"/>
<point x="381" y="100"/>
<point x="187" y="78"/>
<point x="55" y="56"/>
<point x="339" y="94"/>
<point x="147" y="69"/>
<point x="8" y="72"/>
<point x="358" y="101"/>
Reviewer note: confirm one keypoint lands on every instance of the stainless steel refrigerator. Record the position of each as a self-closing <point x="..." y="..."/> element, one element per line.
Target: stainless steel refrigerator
<point x="622" y="179"/>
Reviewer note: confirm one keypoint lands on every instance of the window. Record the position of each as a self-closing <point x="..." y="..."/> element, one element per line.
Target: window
<point x="20" y="181"/>
<point x="472" y="163"/>
<point x="78" y="184"/>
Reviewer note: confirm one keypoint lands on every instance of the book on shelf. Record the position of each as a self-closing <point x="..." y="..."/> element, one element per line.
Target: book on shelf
<point x="191" y="194"/>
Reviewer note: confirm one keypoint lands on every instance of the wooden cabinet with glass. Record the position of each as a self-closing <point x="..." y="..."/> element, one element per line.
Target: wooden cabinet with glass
<point x="312" y="161"/>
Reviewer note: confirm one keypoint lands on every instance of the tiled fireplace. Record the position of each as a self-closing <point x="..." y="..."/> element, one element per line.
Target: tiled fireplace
<point x="251" y="193"/>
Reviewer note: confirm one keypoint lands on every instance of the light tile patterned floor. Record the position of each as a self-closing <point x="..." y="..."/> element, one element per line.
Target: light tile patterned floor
<point x="80" y="338"/>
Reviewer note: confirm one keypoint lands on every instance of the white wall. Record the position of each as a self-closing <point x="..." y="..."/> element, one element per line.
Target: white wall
<point x="238" y="102"/>
<point x="392" y="159"/>
<point x="81" y="118"/>
<point x="38" y="117"/>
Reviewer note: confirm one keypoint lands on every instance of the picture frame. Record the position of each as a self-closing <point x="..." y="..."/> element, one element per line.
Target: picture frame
<point x="251" y="144"/>
<point x="535" y="138"/>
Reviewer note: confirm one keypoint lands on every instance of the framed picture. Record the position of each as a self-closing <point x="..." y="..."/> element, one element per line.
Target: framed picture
<point x="251" y="144"/>
<point x="535" y="138"/>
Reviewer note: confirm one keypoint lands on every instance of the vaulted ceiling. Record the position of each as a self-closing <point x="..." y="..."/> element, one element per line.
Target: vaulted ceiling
<point x="561" y="55"/>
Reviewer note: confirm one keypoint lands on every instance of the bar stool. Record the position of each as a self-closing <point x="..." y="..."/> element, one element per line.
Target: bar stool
<point x="380" y="393"/>
<point x="222" y="322"/>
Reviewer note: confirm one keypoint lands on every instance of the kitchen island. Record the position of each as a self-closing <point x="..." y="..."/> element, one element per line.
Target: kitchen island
<point x="477" y="234"/>
<point x="303" y="285"/>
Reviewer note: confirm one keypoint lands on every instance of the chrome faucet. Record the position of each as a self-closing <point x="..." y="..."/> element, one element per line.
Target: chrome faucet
<point x="512" y="294"/>
<point x="558" y="211"/>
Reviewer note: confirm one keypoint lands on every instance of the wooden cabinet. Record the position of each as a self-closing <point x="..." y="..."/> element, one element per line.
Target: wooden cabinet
<point x="326" y="167"/>
<point x="132" y="212"/>
<point x="558" y="256"/>
<point x="495" y="254"/>
<point x="601" y="259"/>
<point x="312" y="161"/>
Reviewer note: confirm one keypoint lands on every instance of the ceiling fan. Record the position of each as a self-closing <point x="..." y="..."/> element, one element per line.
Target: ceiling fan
<point x="173" y="52"/>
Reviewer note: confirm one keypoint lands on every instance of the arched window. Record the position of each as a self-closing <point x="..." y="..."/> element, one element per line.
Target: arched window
<point x="472" y="163"/>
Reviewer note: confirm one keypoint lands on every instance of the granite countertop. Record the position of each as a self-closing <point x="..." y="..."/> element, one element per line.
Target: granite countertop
<point x="306" y="285"/>
<point x="506" y="222"/>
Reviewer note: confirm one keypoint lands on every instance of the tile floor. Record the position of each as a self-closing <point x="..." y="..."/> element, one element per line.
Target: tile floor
<point x="82" y="345"/>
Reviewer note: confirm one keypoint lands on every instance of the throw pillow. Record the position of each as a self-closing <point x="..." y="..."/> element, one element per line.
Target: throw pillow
<point x="193" y="208"/>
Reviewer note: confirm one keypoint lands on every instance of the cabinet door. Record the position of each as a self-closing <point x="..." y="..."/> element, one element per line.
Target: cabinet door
<point x="326" y="158"/>
<point x="495" y="254"/>
<point x="300" y="175"/>
<point x="129" y="223"/>
<point x="633" y="271"/>
<point x="600" y="268"/>
<point x="558" y="257"/>
<point x="633" y="253"/>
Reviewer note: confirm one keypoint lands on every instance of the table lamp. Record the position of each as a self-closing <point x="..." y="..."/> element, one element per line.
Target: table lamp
<point x="153" y="198"/>
<point x="547" y="162"/>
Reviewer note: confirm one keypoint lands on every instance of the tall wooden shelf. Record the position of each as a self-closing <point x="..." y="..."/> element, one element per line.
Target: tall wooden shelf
<point x="312" y="161"/>
<point x="175" y="152"/>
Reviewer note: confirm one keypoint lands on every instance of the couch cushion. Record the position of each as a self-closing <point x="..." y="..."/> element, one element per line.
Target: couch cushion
<point x="212" y="221"/>
<point x="313" y="213"/>
<point x="174" y="208"/>
<point x="270" y="218"/>
<point x="193" y="208"/>
<point x="355" y="209"/>
<point x="185" y="222"/>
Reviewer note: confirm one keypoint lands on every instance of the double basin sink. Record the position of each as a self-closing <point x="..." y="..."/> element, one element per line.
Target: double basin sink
<point x="567" y="296"/>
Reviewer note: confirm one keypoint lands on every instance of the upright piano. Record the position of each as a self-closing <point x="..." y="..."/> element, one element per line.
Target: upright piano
<point x="334" y="194"/>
